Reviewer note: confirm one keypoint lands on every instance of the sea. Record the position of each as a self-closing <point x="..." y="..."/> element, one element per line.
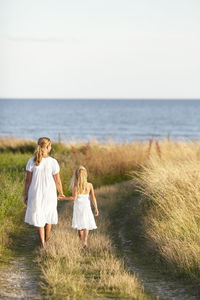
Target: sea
<point x="119" y="121"/>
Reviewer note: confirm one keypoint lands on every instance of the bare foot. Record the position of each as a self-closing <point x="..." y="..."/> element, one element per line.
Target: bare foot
<point x="42" y="246"/>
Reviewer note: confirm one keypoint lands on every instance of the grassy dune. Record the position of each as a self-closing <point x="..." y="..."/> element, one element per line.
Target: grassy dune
<point x="170" y="184"/>
<point x="167" y="175"/>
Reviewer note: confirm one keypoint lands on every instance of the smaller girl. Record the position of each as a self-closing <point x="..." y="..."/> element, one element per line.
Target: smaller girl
<point x="82" y="192"/>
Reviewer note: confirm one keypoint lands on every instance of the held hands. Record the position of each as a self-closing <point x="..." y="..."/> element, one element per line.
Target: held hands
<point x="61" y="196"/>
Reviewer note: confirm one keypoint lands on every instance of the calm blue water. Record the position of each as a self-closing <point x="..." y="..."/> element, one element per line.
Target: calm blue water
<point x="123" y="120"/>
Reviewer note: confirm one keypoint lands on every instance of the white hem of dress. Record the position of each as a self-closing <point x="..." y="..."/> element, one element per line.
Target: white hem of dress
<point x="40" y="225"/>
<point x="91" y="228"/>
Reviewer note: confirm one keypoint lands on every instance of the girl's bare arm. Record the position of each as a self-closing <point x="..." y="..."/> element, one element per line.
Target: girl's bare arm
<point x="58" y="184"/>
<point x="27" y="184"/>
<point x="94" y="201"/>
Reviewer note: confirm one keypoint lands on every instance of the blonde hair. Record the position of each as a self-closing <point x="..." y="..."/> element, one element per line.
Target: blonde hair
<point x="43" y="142"/>
<point x="79" y="179"/>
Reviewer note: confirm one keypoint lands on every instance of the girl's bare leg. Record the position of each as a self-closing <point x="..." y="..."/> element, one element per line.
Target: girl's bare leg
<point x="85" y="237"/>
<point x="80" y="234"/>
<point x="47" y="231"/>
<point x="41" y="235"/>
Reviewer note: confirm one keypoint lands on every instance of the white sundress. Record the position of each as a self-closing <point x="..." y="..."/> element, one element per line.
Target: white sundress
<point x="83" y="217"/>
<point x="42" y="195"/>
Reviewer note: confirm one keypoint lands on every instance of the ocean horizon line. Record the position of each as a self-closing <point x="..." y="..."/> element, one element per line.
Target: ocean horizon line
<point x="102" y="99"/>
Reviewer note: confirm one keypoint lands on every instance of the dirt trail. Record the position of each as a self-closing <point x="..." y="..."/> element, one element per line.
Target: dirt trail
<point x="132" y="244"/>
<point x="19" y="278"/>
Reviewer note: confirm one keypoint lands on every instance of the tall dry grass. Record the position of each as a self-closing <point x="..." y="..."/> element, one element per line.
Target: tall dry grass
<point x="13" y="144"/>
<point x="106" y="163"/>
<point x="171" y="181"/>
<point x="73" y="272"/>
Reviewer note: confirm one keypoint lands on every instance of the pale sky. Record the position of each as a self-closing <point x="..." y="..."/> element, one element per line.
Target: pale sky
<point x="100" y="48"/>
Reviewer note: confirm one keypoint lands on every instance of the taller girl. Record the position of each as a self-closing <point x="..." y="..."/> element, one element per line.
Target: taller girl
<point x="40" y="196"/>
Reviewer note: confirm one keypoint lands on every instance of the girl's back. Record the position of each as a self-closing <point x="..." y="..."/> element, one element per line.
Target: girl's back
<point x="82" y="213"/>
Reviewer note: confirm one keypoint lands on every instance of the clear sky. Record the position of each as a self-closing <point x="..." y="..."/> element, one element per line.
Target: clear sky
<point x="100" y="48"/>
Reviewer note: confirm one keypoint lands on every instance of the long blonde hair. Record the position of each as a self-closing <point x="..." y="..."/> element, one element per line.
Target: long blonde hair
<point x="43" y="142"/>
<point x="79" y="179"/>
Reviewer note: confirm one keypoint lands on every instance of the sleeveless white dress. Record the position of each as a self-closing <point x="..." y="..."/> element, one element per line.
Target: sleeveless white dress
<point x="83" y="217"/>
<point x="42" y="195"/>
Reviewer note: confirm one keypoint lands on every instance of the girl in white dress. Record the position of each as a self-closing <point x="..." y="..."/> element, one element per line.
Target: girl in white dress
<point x="40" y="195"/>
<point x="82" y="192"/>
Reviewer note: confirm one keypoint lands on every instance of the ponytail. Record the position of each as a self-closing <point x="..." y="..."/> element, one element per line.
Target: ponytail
<point x="38" y="155"/>
<point x="42" y="143"/>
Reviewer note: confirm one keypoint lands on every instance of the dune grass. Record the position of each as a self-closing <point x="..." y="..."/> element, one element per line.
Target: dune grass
<point x="170" y="184"/>
<point x="98" y="271"/>
<point x="16" y="145"/>
<point x="106" y="164"/>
